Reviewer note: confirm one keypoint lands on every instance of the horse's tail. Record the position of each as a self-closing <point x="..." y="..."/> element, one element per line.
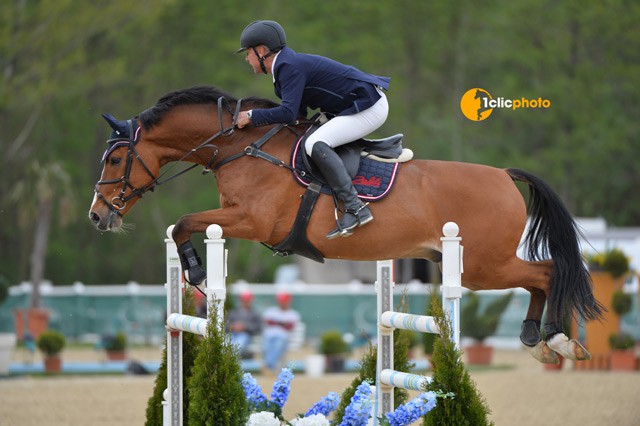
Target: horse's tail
<point x="553" y="233"/>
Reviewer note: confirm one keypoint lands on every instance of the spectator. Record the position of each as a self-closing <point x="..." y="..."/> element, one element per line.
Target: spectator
<point x="243" y="323"/>
<point x="279" y="322"/>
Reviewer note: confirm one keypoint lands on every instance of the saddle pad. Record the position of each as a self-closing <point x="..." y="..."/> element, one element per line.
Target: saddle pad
<point x="373" y="181"/>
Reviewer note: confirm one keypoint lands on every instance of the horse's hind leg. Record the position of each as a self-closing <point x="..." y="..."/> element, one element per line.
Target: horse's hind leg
<point x="556" y="341"/>
<point x="530" y="332"/>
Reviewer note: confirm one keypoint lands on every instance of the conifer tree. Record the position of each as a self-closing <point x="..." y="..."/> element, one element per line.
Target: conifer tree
<point x="215" y="387"/>
<point x="467" y="407"/>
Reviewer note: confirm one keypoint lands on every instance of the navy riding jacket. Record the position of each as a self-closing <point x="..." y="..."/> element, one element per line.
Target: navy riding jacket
<point x="310" y="81"/>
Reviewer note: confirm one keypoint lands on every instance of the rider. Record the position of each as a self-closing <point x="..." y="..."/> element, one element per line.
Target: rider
<point x="354" y="99"/>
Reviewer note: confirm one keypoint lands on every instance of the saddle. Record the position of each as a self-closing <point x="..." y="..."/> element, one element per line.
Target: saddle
<point x="372" y="165"/>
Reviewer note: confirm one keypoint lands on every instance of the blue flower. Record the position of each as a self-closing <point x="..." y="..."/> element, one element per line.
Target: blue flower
<point x="281" y="387"/>
<point x="252" y="391"/>
<point x="408" y="413"/>
<point x="325" y="406"/>
<point x="358" y="411"/>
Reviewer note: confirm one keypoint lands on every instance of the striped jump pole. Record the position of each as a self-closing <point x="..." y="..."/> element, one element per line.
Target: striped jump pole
<point x="216" y="264"/>
<point x="388" y="320"/>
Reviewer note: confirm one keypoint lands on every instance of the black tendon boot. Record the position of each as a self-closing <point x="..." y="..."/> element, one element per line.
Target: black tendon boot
<point x="356" y="213"/>
<point x="191" y="264"/>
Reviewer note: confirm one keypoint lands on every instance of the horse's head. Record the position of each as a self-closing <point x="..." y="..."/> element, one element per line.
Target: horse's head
<point x="129" y="170"/>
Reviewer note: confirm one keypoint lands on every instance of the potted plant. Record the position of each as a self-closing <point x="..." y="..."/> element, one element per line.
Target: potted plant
<point x="608" y="270"/>
<point x="7" y="340"/>
<point x="115" y="346"/>
<point x="622" y="356"/>
<point x="479" y="325"/>
<point x="334" y="348"/>
<point x="51" y="343"/>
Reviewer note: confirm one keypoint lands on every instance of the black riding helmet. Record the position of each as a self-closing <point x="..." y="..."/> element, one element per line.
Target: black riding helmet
<point x="269" y="33"/>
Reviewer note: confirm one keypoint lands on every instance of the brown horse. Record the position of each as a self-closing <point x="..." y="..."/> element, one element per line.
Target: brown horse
<point x="260" y="201"/>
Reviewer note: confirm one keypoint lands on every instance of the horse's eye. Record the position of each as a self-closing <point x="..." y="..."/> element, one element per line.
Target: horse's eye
<point x="114" y="161"/>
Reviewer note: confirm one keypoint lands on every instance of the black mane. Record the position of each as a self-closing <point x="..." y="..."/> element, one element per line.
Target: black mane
<point x="198" y="95"/>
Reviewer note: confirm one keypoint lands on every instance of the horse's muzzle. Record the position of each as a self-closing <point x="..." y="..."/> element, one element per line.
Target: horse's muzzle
<point x="105" y="222"/>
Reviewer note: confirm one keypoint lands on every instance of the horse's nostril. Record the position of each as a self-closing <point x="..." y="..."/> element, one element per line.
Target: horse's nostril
<point x="95" y="217"/>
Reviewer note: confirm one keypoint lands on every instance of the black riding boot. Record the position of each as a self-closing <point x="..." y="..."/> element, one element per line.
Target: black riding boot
<point x="356" y="213"/>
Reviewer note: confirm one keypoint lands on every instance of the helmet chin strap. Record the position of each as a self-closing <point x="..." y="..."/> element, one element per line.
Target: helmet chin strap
<point x="261" y="59"/>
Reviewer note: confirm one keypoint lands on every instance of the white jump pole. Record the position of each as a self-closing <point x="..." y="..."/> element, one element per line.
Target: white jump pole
<point x="388" y="320"/>
<point x="216" y="264"/>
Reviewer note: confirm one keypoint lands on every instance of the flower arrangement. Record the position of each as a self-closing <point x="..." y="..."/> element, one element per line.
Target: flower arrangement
<point x="612" y="261"/>
<point x="268" y="412"/>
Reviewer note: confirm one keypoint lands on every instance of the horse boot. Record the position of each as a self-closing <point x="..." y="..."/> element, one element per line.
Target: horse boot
<point x="356" y="213"/>
<point x="191" y="264"/>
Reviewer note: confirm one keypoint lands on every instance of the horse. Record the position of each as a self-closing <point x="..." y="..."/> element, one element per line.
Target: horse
<point x="259" y="200"/>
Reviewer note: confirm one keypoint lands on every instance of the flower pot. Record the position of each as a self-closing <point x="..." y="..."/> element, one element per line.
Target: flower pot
<point x="116" y="355"/>
<point x="7" y="345"/>
<point x="622" y="360"/>
<point x="335" y="363"/>
<point x="479" y="354"/>
<point x="52" y="364"/>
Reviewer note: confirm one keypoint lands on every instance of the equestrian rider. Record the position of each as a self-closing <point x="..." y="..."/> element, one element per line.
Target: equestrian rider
<point x="353" y="98"/>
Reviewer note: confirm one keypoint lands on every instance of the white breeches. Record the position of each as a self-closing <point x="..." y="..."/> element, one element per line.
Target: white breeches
<point x="348" y="128"/>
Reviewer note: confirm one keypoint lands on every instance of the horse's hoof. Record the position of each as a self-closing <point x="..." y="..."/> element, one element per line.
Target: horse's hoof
<point x="581" y="353"/>
<point x="543" y="353"/>
<point x="570" y="349"/>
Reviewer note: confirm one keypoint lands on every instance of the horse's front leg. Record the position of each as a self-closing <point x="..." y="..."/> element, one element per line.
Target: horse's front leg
<point x="232" y="220"/>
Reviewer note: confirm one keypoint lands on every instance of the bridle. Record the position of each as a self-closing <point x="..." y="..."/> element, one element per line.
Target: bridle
<point x="119" y="202"/>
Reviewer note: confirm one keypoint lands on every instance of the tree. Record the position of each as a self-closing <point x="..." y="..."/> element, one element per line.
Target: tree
<point x="37" y="195"/>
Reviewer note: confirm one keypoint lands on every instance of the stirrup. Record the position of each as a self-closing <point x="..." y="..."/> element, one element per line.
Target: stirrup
<point x="347" y="231"/>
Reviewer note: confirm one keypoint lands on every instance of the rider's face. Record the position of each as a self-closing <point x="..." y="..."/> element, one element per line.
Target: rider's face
<point x="252" y="58"/>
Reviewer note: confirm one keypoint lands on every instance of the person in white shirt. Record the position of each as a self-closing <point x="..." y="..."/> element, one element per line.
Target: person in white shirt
<point x="278" y="321"/>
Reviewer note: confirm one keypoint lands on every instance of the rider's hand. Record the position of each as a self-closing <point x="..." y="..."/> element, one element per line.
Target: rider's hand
<point x="243" y="119"/>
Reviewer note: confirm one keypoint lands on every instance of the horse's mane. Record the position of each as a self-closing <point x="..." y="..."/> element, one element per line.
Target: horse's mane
<point x="194" y="96"/>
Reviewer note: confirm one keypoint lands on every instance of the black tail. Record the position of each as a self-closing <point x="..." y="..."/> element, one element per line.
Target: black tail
<point x="554" y="234"/>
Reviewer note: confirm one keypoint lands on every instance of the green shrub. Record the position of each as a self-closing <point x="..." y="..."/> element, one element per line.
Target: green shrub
<point x="449" y="374"/>
<point x="118" y="343"/>
<point x="621" y="341"/>
<point x="51" y="342"/>
<point x="614" y="261"/>
<point x="332" y="343"/>
<point x="621" y="303"/>
<point x="482" y="324"/>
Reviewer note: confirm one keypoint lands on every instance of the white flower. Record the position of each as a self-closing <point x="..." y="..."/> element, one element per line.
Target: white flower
<point x="313" y="420"/>
<point x="263" y="418"/>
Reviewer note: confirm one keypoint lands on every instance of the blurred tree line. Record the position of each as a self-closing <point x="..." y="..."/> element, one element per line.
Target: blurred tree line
<point x="64" y="62"/>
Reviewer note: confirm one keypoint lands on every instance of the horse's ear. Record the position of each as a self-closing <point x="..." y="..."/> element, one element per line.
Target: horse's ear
<point x="120" y="127"/>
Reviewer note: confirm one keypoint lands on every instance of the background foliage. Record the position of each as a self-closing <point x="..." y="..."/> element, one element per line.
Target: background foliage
<point x="64" y="62"/>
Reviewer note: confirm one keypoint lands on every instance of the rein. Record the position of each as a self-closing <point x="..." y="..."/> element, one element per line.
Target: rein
<point x="254" y="150"/>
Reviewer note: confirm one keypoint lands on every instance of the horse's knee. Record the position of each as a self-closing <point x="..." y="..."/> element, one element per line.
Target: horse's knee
<point x="181" y="233"/>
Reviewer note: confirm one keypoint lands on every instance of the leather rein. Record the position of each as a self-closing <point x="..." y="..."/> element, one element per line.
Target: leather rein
<point x="254" y="150"/>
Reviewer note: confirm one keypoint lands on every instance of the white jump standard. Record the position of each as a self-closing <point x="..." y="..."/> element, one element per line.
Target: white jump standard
<point x="388" y="320"/>
<point x="216" y="264"/>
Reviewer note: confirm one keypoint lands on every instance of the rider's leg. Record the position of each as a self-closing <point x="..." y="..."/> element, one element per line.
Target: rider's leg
<point x="356" y="213"/>
<point x="339" y="131"/>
